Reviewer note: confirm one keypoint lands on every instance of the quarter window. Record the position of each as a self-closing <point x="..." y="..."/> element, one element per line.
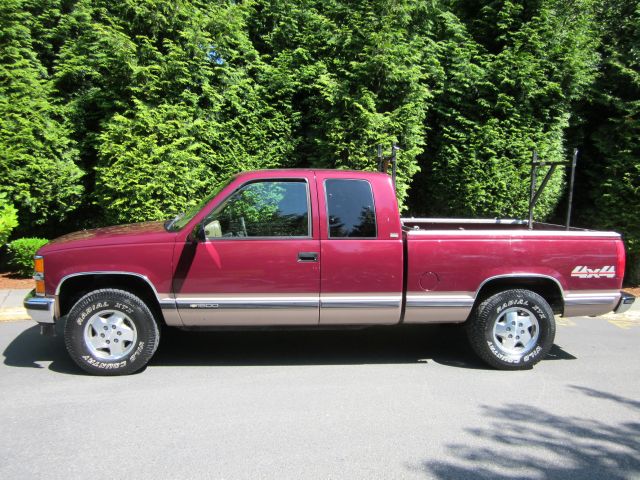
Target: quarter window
<point x="350" y="209"/>
<point x="262" y="209"/>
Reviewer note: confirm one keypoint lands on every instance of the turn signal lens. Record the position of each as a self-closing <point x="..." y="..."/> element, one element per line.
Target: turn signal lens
<point x="39" y="265"/>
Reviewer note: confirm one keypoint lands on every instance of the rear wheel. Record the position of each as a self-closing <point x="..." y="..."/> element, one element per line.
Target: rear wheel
<point x="512" y="330"/>
<point x="111" y="332"/>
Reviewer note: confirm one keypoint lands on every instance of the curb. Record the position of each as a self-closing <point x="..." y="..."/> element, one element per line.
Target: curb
<point x="13" y="314"/>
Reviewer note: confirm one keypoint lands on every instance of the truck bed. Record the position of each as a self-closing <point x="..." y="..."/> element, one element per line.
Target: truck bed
<point x="450" y="260"/>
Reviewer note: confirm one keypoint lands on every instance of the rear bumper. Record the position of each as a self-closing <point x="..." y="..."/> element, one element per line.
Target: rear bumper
<point x="40" y="309"/>
<point x="626" y="300"/>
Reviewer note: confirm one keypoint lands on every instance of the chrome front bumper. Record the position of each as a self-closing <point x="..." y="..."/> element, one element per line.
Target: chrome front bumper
<point x="626" y="300"/>
<point x="40" y="309"/>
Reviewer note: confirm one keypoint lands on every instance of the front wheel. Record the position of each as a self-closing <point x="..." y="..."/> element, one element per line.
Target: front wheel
<point x="111" y="332"/>
<point x="512" y="330"/>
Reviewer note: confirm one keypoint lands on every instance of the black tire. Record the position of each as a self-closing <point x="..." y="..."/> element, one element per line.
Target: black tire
<point x="491" y="329"/>
<point x="128" y="324"/>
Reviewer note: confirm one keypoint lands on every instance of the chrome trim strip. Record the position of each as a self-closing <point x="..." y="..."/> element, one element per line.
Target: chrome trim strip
<point x="360" y="301"/>
<point x="512" y="233"/>
<point x="246" y="302"/>
<point x="208" y="297"/>
<point x="216" y="304"/>
<point x="521" y="275"/>
<point x="40" y="309"/>
<point x="439" y="304"/>
<point x="506" y="221"/>
<point x="361" y="304"/>
<point x="439" y="301"/>
<point x="107" y="272"/>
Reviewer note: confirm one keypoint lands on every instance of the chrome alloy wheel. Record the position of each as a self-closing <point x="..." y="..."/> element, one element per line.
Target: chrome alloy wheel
<point x="110" y="335"/>
<point x="516" y="331"/>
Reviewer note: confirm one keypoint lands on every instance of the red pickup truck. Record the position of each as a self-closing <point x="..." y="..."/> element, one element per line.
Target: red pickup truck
<point x="320" y="248"/>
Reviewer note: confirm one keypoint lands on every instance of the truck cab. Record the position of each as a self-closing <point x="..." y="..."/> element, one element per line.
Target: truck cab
<point x="303" y="247"/>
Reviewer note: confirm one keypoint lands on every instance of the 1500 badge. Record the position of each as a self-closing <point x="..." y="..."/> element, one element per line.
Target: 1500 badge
<point x="608" y="271"/>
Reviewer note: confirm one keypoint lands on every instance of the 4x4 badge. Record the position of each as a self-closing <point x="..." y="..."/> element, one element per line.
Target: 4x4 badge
<point x="608" y="271"/>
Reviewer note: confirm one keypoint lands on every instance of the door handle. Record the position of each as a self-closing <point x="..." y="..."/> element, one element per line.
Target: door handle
<point x="307" y="256"/>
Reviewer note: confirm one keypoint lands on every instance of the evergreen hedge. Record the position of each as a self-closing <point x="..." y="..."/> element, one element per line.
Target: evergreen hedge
<point x="133" y="110"/>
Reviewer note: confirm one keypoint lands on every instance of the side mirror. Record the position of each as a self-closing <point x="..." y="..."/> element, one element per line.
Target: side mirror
<point x="198" y="234"/>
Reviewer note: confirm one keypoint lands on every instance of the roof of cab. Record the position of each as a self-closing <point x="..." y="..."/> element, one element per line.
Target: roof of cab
<point x="311" y="171"/>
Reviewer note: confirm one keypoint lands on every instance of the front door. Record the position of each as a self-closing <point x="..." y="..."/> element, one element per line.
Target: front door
<point x="260" y="262"/>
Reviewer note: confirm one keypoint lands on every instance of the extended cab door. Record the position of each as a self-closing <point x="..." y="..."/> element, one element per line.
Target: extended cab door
<point x="260" y="262"/>
<point x="361" y="249"/>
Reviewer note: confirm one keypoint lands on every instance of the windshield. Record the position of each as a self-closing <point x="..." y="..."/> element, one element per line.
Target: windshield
<point x="180" y="220"/>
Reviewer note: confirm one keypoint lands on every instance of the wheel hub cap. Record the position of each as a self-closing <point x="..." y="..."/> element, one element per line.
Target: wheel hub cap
<point x="516" y="331"/>
<point x="110" y="335"/>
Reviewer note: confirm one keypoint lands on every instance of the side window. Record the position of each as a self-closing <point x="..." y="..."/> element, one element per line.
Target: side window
<point x="277" y="208"/>
<point x="350" y="209"/>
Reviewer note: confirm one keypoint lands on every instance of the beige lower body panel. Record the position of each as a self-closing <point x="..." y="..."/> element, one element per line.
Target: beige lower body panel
<point x="436" y="314"/>
<point x="285" y="316"/>
<point x="438" y="307"/>
<point x="360" y="309"/>
<point x="170" y="312"/>
<point x="590" y="303"/>
<point x="283" y="310"/>
<point x="248" y="310"/>
<point x="349" y="309"/>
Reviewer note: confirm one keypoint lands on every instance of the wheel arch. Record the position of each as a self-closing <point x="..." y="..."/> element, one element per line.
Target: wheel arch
<point x="547" y="287"/>
<point x="74" y="286"/>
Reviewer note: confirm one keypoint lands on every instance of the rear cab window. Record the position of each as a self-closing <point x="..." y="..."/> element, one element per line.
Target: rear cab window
<point x="351" y="210"/>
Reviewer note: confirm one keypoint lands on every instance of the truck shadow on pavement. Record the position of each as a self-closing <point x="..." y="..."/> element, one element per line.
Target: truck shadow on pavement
<point x="523" y="441"/>
<point x="442" y="344"/>
<point x="29" y="348"/>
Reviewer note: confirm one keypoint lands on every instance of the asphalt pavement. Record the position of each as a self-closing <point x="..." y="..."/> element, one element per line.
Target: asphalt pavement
<point x="377" y="403"/>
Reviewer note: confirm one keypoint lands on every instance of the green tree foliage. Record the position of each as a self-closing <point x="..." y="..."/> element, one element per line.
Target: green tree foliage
<point x="8" y="219"/>
<point x="509" y="72"/>
<point x="37" y="157"/>
<point x="610" y="130"/>
<point x="132" y="110"/>
<point x="352" y="75"/>
<point x="169" y="97"/>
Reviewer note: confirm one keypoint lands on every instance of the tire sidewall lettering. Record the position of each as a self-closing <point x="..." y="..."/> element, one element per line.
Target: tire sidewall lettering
<point x="121" y="301"/>
<point x="104" y="365"/>
<point x="90" y="309"/>
<point x="501" y="356"/>
<point x="137" y="352"/>
<point x="512" y="303"/>
<point x="481" y="329"/>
